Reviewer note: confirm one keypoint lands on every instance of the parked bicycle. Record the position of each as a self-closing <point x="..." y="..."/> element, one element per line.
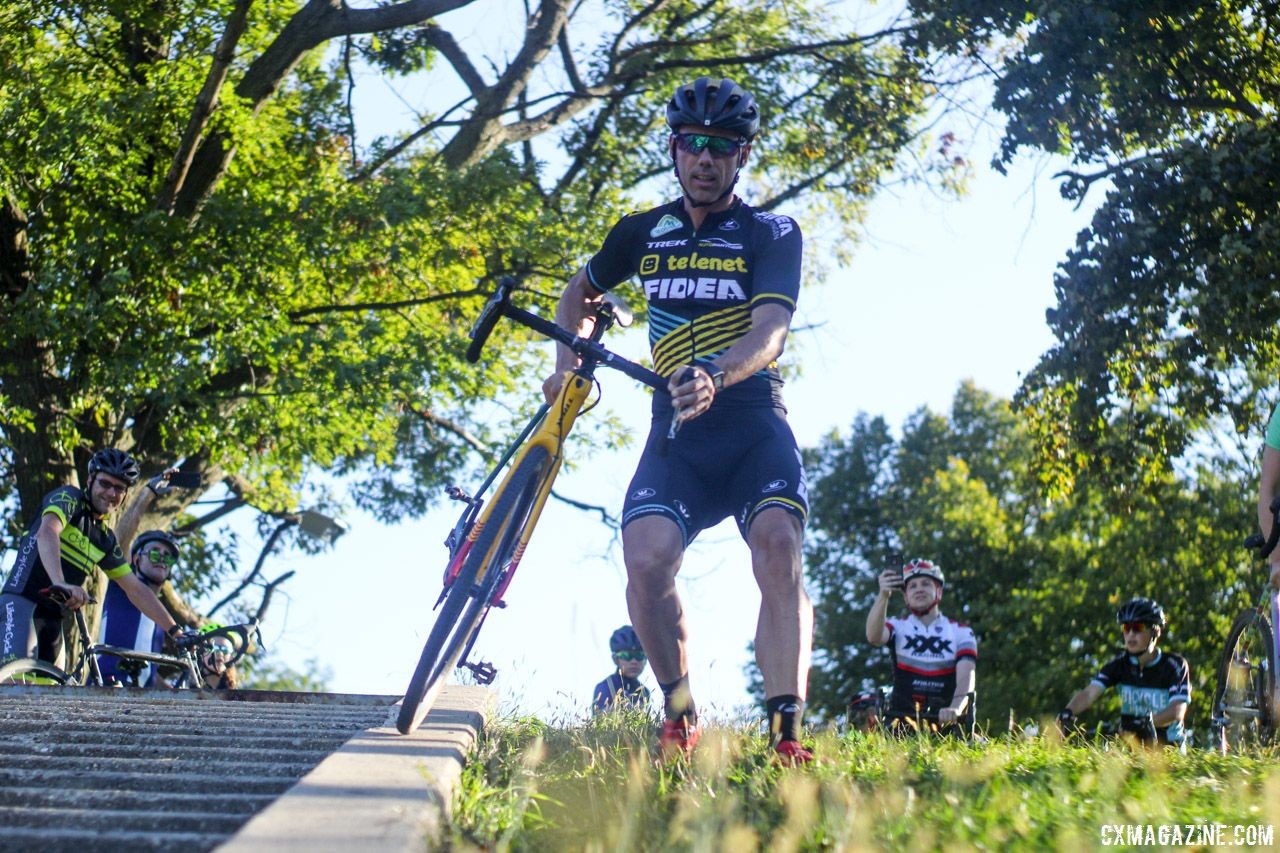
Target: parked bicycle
<point x="1245" y="703"/>
<point x="488" y="541"/>
<point x="198" y="658"/>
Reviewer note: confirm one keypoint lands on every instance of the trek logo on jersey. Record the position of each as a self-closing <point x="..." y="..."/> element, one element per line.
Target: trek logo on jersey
<point x="720" y="289"/>
<point x="666" y="225"/>
<point x="666" y="244"/>
<point x="641" y="494"/>
<point x="775" y="486"/>
<point x="718" y="243"/>
<point x="926" y="645"/>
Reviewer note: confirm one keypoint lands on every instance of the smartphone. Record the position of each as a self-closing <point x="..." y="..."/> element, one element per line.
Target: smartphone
<point x="185" y="479"/>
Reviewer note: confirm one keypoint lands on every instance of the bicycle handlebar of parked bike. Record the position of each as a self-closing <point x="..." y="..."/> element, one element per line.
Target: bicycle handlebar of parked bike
<point x="499" y="305"/>
<point x="1265" y="547"/>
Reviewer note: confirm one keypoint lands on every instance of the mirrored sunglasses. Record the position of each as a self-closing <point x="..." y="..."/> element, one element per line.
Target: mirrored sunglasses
<point x="629" y="655"/>
<point x="1134" y="627"/>
<point x="162" y="557"/>
<point x="696" y="143"/>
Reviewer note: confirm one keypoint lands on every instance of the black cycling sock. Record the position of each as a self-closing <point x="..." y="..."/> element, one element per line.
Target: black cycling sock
<point x="678" y="700"/>
<point x="785" y="714"/>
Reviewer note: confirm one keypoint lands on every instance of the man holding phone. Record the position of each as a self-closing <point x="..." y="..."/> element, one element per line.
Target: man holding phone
<point x="934" y="658"/>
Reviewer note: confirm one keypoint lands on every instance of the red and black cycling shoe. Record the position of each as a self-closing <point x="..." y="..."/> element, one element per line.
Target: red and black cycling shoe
<point x="677" y="739"/>
<point x="789" y="753"/>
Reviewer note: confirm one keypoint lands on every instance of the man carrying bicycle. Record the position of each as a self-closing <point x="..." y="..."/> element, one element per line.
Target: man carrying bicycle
<point x="721" y="279"/>
<point x="622" y="689"/>
<point x="934" y="658"/>
<point x="67" y="540"/>
<point x="1269" y="487"/>
<point x="1155" y="686"/>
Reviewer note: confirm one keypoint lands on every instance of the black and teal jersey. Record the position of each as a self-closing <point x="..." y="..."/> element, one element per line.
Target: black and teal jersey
<point x="87" y="542"/>
<point x="701" y="286"/>
<point x="1148" y="689"/>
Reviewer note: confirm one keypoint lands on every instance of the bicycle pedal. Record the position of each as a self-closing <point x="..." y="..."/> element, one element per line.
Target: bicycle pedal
<point x="484" y="671"/>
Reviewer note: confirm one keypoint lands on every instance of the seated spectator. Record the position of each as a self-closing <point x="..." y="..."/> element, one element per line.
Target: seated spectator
<point x="934" y="658"/>
<point x="1155" y="686"/>
<point x="622" y="689"/>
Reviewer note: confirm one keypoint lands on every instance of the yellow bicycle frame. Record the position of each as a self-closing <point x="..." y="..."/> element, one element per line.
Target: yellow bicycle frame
<point x="551" y="433"/>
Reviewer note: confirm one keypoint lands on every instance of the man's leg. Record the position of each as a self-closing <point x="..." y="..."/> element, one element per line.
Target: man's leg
<point x="653" y="549"/>
<point x="784" y="633"/>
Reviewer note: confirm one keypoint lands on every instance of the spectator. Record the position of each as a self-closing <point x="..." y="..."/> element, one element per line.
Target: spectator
<point x="622" y="689"/>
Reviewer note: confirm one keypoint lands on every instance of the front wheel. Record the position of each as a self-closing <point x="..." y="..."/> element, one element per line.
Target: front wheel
<point x="29" y="671"/>
<point x="475" y="584"/>
<point x="1242" y="704"/>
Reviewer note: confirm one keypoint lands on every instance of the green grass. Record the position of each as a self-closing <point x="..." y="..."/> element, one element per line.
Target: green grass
<point x="596" y="786"/>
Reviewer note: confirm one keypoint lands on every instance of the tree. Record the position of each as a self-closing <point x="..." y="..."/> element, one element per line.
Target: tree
<point x="1038" y="580"/>
<point x="198" y="262"/>
<point x="1168" y="309"/>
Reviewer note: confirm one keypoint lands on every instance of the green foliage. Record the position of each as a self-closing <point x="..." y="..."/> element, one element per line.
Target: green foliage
<point x="273" y="301"/>
<point x="1038" y="580"/>
<point x="530" y="786"/>
<point x="1168" y="305"/>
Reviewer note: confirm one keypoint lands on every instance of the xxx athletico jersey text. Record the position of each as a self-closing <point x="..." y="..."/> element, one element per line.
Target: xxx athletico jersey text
<point x="702" y="285"/>
<point x="924" y="661"/>
<point x="86" y="542"/>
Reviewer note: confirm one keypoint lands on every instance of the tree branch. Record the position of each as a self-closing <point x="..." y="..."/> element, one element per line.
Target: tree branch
<point x="206" y="102"/>
<point x="384" y="306"/>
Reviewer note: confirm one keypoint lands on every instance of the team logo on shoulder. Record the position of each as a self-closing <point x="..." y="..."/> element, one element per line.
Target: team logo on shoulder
<point x="641" y="494"/>
<point x="666" y="225"/>
<point x="781" y="225"/>
<point x="775" y="486"/>
<point x="730" y="225"/>
<point x="681" y="508"/>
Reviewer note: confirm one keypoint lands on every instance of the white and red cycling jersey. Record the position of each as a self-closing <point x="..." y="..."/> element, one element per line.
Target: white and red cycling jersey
<point x="924" y="661"/>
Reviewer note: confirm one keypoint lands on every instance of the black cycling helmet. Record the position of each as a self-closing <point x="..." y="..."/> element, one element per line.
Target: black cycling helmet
<point x="153" y="536"/>
<point x="624" y="639"/>
<point x="117" y="463"/>
<point x="1142" y="610"/>
<point x="707" y="102"/>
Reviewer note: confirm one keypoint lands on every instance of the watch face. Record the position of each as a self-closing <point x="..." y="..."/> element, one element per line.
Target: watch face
<point x="717" y="379"/>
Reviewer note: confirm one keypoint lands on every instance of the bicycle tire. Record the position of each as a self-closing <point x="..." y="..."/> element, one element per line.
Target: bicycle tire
<point x="453" y="628"/>
<point x="29" y="671"/>
<point x="1246" y="684"/>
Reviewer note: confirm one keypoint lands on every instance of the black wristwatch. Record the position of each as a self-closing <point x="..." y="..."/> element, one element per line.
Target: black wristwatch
<point x="716" y="374"/>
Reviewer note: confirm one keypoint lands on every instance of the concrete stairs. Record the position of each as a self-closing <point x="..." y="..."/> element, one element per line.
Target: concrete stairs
<point x="98" y="769"/>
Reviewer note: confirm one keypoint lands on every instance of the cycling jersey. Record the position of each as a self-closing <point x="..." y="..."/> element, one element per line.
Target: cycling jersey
<point x="619" y="691"/>
<point x="924" y="662"/>
<point x="1273" y="430"/>
<point x="87" y="542"/>
<point x="702" y="285"/>
<point x="1148" y="689"/>
<point x="124" y="625"/>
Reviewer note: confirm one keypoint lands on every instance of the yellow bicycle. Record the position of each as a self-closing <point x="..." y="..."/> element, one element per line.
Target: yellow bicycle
<point x="486" y="544"/>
